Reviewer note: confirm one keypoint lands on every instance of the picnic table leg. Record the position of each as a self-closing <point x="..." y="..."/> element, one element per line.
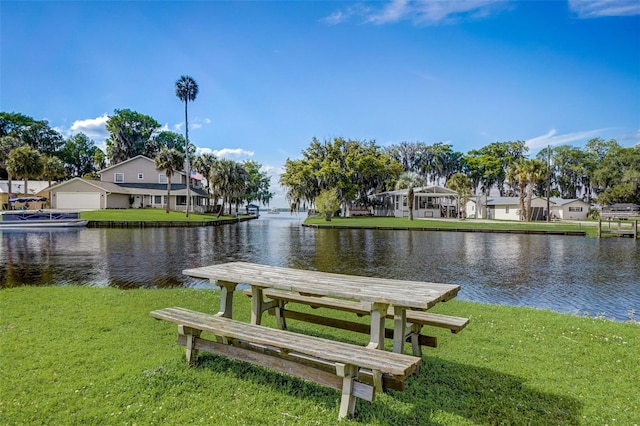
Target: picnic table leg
<point x="399" y="328"/>
<point x="256" y="305"/>
<point x="348" y="399"/>
<point x="282" y="323"/>
<point x="191" y="334"/>
<point x="378" y="315"/>
<point x="226" y="297"/>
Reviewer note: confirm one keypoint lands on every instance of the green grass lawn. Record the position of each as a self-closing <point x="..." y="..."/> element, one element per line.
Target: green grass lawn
<point x="590" y="227"/>
<point x="151" y="215"/>
<point x="80" y="355"/>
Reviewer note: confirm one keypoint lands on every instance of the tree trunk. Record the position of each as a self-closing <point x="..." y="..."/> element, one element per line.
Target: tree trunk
<point x="522" y="195"/>
<point x="410" y="203"/>
<point x="186" y="152"/>
<point x="529" y="195"/>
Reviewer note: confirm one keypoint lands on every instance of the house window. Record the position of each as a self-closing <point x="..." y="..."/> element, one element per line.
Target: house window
<point x="181" y="200"/>
<point x="118" y="177"/>
<point x="157" y="199"/>
<point x="575" y="209"/>
<point x="140" y="176"/>
<point x="404" y="201"/>
<point x="162" y="178"/>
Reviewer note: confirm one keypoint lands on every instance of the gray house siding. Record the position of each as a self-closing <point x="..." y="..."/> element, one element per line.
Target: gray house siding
<point x="138" y="170"/>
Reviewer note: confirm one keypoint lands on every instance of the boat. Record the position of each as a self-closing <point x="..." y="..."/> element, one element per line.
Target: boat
<point x="274" y="211"/>
<point x="40" y="219"/>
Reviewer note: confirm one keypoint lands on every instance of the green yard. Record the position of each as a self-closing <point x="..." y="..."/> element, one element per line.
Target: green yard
<point x="79" y="355"/>
<point x="151" y="215"/>
<point x="590" y="227"/>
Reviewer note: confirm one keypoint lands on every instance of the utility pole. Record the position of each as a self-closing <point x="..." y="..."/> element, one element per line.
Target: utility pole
<point x="548" y="182"/>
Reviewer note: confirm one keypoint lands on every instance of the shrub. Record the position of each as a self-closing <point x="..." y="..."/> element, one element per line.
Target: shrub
<point x="327" y="203"/>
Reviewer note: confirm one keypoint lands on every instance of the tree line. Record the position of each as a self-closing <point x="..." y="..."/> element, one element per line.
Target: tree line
<point x="31" y="149"/>
<point x="602" y="171"/>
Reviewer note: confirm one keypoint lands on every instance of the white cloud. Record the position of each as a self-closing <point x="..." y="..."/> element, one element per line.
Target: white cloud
<point x="196" y="123"/>
<point x="337" y="17"/>
<point x="552" y="139"/>
<point x="600" y="8"/>
<point x="94" y="128"/>
<point x="225" y="152"/>
<point x="420" y="12"/>
<point x="392" y="12"/>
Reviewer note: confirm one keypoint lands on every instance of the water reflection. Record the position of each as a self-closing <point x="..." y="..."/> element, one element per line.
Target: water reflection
<point x="567" y="274"/>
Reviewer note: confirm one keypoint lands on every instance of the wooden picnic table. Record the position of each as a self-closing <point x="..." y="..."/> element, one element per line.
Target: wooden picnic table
<point x="375" y="294"/>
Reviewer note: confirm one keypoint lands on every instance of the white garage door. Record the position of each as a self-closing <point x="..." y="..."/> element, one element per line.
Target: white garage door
<point x="78" y="200"/>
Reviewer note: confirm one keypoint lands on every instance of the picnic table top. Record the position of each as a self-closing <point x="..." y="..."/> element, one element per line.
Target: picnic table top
<point x="403" y="293"/>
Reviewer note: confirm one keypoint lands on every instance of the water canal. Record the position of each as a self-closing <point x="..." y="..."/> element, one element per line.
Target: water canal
<point x="566" y="274"/>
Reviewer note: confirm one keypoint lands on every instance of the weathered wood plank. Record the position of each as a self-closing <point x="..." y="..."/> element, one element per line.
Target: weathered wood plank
<point x="399" y="365"/>
<point x="350" y="325"/>
<point x="364" y="376"/>
<point x="413" y="294"/>
<point x="455" y="324"/>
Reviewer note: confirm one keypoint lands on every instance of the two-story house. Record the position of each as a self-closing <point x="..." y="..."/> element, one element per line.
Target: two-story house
<point x="134" y="183"/>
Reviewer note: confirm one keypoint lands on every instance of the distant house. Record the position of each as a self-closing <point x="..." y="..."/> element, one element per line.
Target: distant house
<point x="568" y="209"/>
<point x="429" y="202"/>
<point x="34" y="188"/>
<point x="508" y="208"/>
<point x="134" y="183"/>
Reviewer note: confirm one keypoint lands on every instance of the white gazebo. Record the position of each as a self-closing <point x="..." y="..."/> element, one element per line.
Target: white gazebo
<point x="428" y="202"/>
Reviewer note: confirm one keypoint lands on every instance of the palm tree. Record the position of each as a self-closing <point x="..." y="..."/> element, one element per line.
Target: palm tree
<point x="53" y="168"/>
<point x="410" y="180"/>
<point x="526" y="173"/>
<point x="537" y="171"/>
<point x="187" y="90"/>
<point x="460" y="183"/>
<point x="204" y="164"/>
<point x="518" y="173"/>
<point x="229" y="179"/>
<point x="238" y="186"/>
<point x="169" y="160"/>
<point x="219" y="178"/>
<point x="25" y="162"/>
<point x="8" y="144"/>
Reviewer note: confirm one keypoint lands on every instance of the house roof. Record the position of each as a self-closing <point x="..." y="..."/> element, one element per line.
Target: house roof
<point x="160" y="188"/>
<point x="137" y="157"/>
<point x="516" y="200"/>
<point x="424" y="190"/>
<point x="105" y="186"/>
<point x="562" y="201"/>
<point x="503" y="200"/>
<point x="135" y="188"/>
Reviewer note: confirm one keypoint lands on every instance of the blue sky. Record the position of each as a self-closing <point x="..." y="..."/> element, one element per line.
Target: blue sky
<point x="274" y="74"/>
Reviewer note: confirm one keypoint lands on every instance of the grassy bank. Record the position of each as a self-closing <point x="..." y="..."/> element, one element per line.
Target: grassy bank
<point x="151" y="215"/>
<point x="77" y="355"/>
<point x="591" y="228"/>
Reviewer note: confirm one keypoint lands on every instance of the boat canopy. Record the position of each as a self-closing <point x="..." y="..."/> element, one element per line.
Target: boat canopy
<point x="27" y="199"/>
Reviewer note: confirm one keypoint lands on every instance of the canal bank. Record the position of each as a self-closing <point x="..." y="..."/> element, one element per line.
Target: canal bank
<point x="165" y="223"/>
<point x="449" y="229"/>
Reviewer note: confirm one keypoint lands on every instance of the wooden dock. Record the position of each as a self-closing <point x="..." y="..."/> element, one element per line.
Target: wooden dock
<point x="618" y="230"/>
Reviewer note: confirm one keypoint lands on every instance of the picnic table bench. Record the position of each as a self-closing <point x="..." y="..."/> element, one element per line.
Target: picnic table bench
<point x="415" y="319"/>
<point x="356" y="371"/>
